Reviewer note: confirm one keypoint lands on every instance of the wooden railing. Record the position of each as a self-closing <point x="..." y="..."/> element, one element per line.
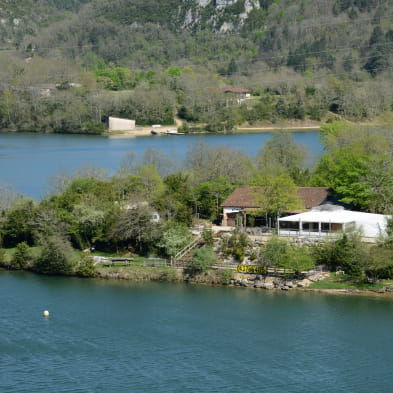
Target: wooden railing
<point x="187" y="249"/>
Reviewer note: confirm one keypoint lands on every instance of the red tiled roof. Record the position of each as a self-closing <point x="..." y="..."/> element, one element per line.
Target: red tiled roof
<point x="245" y="197"/>
<point x="313" y="196"/>
<point x="235" y="90"/>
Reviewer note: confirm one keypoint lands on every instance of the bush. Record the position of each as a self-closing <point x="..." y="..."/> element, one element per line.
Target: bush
<point x="298" y="259"/>
<point x="379" y="264"/>
<point x="86" y="267"/>
<point x="237" y="245"/>
<point x="57" y="257"/>
<point x="347" y="253"/>
<point x="3" y="258"/>
<point x="22" y="257"/>
<point x="225" y="276"/>
<point x="207" y="236"/>
<point x="274" y="252"/>
<point x="202" y="260"/>
<point x="280" y="253"/>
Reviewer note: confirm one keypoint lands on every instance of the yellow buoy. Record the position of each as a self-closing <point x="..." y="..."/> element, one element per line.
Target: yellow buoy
<point x="45" y="313"/>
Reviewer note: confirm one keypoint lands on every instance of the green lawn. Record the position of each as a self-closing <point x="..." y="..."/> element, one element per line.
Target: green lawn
<point x="334" y="282"/>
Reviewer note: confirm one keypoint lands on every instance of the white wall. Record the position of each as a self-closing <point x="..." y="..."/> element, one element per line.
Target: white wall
<point x="116" y="124"/>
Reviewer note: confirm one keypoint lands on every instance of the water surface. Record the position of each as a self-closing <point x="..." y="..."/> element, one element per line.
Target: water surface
<point x="28" y="161"/>
<point x="105" y="336"/>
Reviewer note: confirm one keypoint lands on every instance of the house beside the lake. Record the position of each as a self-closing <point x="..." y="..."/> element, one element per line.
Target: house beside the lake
<point x="236" y="95"/>
<point x="321" y="215"/>
<point x="240" y="208"/>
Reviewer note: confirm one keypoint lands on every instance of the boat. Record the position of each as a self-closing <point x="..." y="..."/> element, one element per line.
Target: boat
<point x="154" y="132"/>
<point x="174" y="132"/>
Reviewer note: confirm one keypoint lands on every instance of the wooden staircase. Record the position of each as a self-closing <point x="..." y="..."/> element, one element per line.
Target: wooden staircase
<point x="186" y="250"/>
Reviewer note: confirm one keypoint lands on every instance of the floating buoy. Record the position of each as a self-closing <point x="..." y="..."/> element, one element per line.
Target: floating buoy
<point x="45" y="313"/>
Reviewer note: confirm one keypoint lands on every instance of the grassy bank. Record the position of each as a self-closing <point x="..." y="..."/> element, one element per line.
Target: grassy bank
<point x="334" y="282"/>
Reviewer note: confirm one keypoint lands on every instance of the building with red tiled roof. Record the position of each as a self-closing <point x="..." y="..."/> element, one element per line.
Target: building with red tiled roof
<point x="235" y="95"/>
<point x="235" y="90"/>
<point x="243" y="199"/>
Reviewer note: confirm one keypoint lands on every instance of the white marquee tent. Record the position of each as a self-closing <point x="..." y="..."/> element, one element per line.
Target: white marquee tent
<point x="321" y="222"/>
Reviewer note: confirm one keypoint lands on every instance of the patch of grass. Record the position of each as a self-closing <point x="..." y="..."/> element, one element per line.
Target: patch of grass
<point x="36" y="251"/>
<point x="138" y="273"/>
<point x="334" y="282"/>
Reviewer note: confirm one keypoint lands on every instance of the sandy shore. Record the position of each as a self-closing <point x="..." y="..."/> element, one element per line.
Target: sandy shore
<point x="146" y="131"/>
<point x="139" y="131"/>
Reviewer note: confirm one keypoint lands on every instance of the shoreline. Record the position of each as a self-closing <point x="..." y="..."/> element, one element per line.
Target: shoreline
<point x="175" y="276"/>
<point x="146" y="131"/>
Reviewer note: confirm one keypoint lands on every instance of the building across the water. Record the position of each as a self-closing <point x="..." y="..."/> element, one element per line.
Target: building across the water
<point x="118" y="124"/>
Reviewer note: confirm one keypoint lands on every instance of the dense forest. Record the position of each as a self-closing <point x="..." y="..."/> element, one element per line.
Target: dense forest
<point x="66" y="65"/>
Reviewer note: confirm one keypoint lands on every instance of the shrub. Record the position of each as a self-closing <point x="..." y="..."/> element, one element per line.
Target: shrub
<point x="225" y="276"/>
<point x="237" y="245"/>
<point x="275" y="251"/>
<point x="86" y="267"/>
<point x="202" y="260"/>
<point x="347" y="253"/>
<point x="207" y="236"/>
<point x="3" y="258"/>
<point x="57" y="257"/>
<point x="22" y="257"/>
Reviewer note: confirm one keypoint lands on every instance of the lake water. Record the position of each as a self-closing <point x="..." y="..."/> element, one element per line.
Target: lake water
<point x="28" y="161"/>
<point x="105" y="336"/>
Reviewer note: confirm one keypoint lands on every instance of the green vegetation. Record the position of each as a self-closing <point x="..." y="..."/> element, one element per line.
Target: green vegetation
<point x="148" y="206"/>
<point x="280" y="253"/>
<point x="334" y="282"/>
<point x="202" y="259"/>
<point x="81" y="61"/>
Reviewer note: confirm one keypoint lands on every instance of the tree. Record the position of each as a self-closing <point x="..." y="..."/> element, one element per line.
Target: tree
<point x="87" y="223"/>
<point x="22" y="257"/>
<point x="17" y="225"/>
<point x="209" y="195"/>
<point x="379" y="264"/>
<point x="209" y="163"/>
<point x="7" y="196"/>
<point x="378" y="180"/>
<point x="57" y="257"/>
<point x="175" y="238"/>
<point x="134" y="226"/>
<point x="281" y="152"/>
<point x="275" y="194"/>
<point x="347" y="253"/>
<point x="344" y="170"/>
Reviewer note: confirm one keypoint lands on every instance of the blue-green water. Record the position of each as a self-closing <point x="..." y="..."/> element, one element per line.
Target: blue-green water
<point x="28" y="161"/>
<point x="105" y="336"/>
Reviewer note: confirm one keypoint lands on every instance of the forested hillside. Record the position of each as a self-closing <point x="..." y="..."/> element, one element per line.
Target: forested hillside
<point x="67" y="65"/>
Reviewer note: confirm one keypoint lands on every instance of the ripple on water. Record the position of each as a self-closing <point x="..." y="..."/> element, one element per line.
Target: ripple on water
<point x="121" y="337"/>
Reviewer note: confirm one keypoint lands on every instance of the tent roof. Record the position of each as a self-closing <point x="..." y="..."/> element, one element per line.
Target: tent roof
<point x="371" y="224"/>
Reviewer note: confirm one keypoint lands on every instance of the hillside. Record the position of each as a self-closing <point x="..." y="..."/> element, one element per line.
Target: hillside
<point x="301" y="59"/>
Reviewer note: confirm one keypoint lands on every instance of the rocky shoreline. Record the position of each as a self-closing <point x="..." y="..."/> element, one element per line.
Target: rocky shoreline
<point x="285" y="284"/>
<point x="251" y="281"/>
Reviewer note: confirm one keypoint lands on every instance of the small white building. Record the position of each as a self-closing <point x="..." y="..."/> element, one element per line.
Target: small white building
<point x="117" y="124"/>
<point x="330" y="220"/>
